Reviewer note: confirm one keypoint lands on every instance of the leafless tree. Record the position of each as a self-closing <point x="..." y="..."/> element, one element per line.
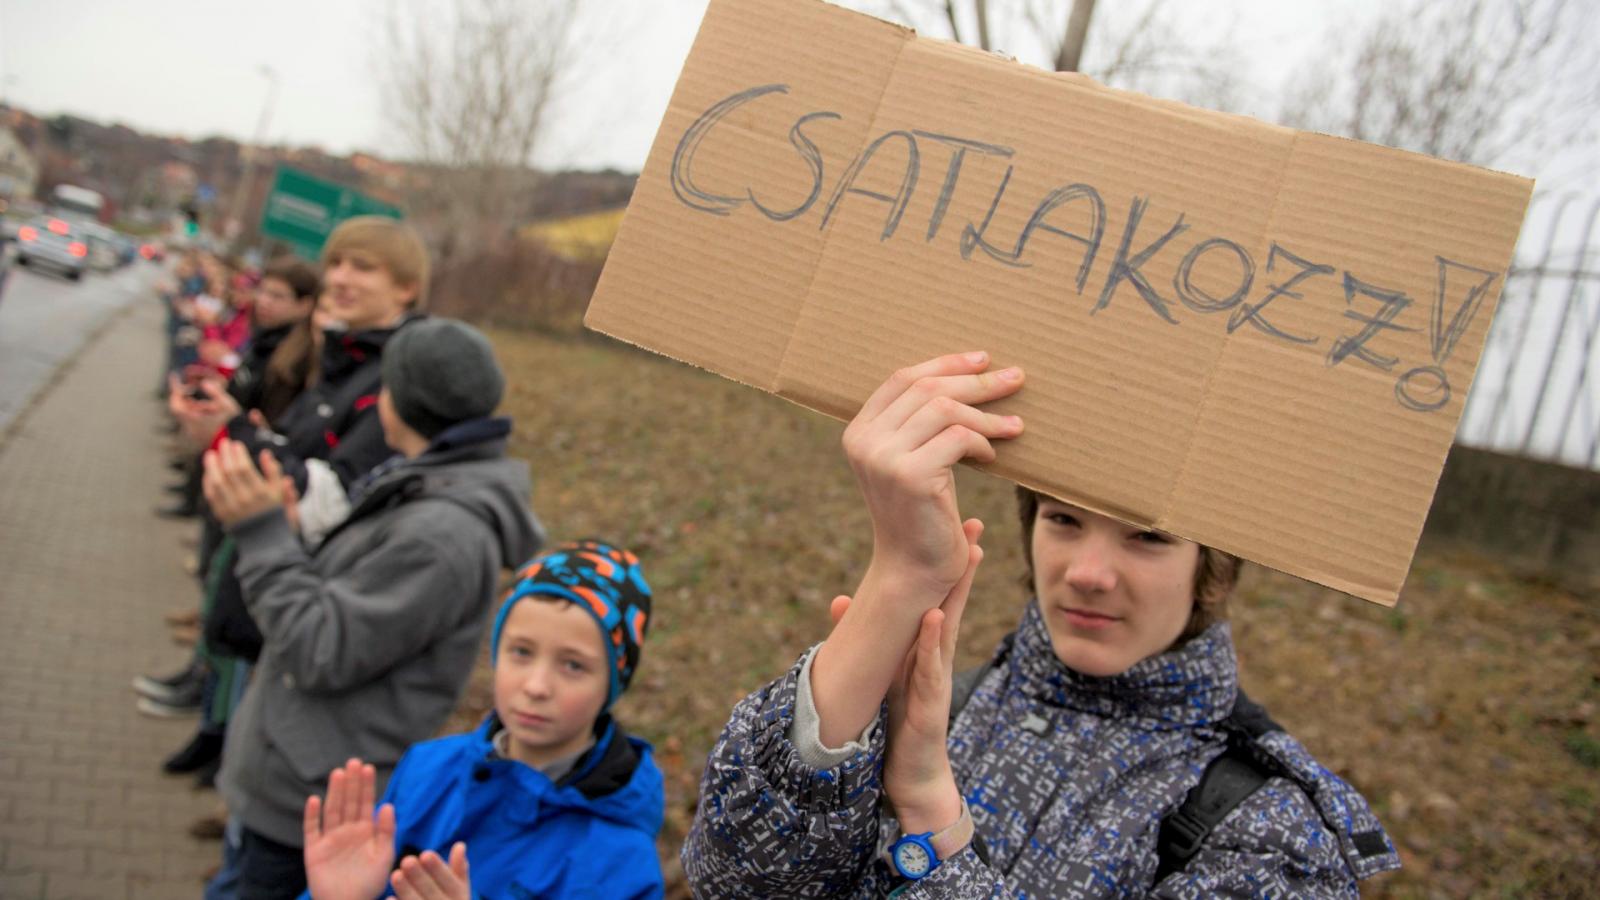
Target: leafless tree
<point x="1482" y="81"/>
<point x="468" y="93"/>
<point x="1136" y="45"/>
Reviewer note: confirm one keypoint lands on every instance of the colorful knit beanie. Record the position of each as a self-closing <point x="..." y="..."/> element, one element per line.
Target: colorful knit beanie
<point x="600" y="579"/>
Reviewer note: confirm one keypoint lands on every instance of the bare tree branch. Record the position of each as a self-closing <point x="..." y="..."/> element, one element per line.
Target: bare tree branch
<point x="1070" y="55"/>
<point x="1479" y="82"/>
<point x="468" y="99"/>
<point x="950" y="14"/>
<point x="980" y="8"/>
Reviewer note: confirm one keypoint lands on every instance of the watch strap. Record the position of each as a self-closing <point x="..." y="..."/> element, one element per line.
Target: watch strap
<point x="949" y="841"/>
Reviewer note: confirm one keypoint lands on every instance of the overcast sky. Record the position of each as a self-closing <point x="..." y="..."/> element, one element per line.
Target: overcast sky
<point x="193" y="67"/>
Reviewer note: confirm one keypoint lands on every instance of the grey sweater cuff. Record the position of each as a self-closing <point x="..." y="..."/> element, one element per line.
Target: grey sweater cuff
<point x="264" y="531"/>
<point x="805" y="730"/>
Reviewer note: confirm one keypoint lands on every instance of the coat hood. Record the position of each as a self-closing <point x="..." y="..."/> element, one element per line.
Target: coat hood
<point x="467" y="466"/>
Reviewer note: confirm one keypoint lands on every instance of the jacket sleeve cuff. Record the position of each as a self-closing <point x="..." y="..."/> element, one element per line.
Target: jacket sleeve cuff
<point x="324" y="504"/>
<point x="805" y="730"/>
<point x="835" y="785"/>
<point x="961" y="877"/>
<point x="263" y="533"/>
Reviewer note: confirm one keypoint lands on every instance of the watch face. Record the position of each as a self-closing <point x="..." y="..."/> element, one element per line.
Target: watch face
<point x="912" y="859"/>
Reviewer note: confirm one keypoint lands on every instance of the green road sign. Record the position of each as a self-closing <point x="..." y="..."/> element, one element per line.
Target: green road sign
<point x="302" y="210"/>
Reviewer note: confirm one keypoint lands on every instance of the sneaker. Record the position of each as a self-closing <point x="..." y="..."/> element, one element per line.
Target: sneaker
<point x="209" y="828"/>
<point x="186" y="616"/>
<point x="206" y="778"/>
<point x="169" y="688"/>
<point x="195" y="755"/>
<point x="160" y="710"/>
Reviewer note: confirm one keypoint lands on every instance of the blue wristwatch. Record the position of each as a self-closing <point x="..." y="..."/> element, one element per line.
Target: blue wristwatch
<point x="915" y="856"/>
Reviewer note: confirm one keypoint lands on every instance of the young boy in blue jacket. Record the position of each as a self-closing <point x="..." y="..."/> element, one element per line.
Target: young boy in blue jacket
<point x="548" y="795"/>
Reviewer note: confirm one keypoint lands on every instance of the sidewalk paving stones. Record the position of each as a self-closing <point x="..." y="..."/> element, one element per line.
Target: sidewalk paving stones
<point x="86" y="571"/>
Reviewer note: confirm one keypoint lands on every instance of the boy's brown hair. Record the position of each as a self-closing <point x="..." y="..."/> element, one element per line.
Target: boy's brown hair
<point x="1215" y="575"/>
<point x="396" y="245"/>
<point x="300" y="276"/>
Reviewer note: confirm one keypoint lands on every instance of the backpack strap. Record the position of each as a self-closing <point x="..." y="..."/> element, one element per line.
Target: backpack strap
<point x="963" y="685"/>
<point x="1228" y="781"/>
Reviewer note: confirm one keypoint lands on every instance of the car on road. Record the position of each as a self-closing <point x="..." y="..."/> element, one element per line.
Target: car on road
<point x="54" y="243"/>
<point x="102" y="241"/>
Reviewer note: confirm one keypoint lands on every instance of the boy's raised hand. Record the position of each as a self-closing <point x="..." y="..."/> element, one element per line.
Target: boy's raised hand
<point x="428" y="877"/>
<point x="903" y="446"/>
<point x="348" y="851"/>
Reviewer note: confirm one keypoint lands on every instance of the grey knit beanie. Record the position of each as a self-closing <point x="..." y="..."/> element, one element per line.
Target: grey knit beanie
<point x="440" y="372"/>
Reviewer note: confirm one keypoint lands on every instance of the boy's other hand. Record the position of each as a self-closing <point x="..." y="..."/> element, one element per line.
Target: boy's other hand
<point x="428" y="877"/>
<point x="233" y="486"/>
<point x="916" y="772"/>
<point x="348" y="851"/>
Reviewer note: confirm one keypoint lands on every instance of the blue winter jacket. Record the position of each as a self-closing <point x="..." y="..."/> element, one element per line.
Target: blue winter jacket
<point x="590" y="835"/>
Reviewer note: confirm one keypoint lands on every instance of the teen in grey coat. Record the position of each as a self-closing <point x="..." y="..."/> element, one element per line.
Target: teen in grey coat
<point x="369" y="640"/>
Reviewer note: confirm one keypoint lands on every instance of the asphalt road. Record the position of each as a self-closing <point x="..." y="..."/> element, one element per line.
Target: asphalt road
<point x="45" y="318"/>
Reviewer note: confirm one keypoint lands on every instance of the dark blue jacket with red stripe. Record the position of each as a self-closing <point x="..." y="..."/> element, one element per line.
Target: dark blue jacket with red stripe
<point x="335" y="419"/>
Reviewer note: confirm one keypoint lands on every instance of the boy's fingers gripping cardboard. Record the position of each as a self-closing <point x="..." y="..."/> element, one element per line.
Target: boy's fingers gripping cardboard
<point x="902" y="380"/>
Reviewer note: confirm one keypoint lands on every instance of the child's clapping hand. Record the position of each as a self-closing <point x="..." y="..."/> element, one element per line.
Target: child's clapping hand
<point x="348" y="850"/>
<point x="428" y="877"/>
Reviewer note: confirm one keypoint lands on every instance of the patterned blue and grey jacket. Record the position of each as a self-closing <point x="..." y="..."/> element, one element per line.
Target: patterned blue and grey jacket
<point x="1067" y="776"/>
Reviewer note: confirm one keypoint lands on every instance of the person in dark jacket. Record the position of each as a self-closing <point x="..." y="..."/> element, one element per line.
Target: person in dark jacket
<point x="1097" y="716"/>
<point x="548" y="797"/>
<point x="272" y="370"/>
<point x="276" y="365"/>
<point x="374" y="272"/>
<point x="370" y="635"/>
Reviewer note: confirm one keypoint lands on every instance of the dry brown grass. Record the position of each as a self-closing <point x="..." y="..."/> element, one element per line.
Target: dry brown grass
<point x="1468" y="714"/>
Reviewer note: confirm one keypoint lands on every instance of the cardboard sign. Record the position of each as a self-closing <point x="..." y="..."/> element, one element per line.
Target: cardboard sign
<point x="1256" y="338"/>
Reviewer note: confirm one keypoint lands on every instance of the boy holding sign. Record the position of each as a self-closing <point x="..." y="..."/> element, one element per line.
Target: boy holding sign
<point x="1106" y="750"/>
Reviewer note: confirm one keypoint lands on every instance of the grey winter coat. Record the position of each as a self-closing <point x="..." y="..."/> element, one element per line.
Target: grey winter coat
<point x="370" y="639"/>
<point x="1067" y="777"/>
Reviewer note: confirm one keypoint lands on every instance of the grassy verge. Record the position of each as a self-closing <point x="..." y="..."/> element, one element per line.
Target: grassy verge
<point x="1469" y="715"/>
